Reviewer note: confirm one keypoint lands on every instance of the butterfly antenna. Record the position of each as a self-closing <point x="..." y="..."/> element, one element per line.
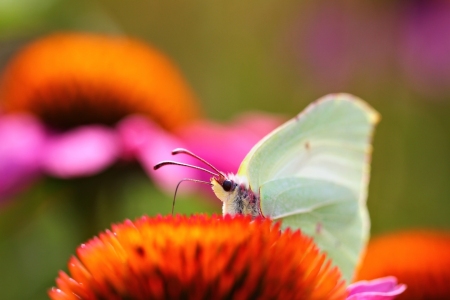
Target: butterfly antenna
<point x="169" y="162"/>
<point x="185" y="151"/>
<point x="176" y="189"/>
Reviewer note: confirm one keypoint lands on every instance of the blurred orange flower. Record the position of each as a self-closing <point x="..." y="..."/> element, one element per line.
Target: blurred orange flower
<point x="73" y="104"/>
<point x="199" y="257"/>
<point x="74" y="79"/>
<point x="419" y="259"/>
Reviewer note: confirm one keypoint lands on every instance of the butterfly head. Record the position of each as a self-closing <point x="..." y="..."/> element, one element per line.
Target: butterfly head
<point x="224" y="187"/>
<point x="230" y="189"/>
<point x="236" y="195"/>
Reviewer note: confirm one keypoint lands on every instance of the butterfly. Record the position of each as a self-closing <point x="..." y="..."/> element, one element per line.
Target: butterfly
<point x="312" y="174"/>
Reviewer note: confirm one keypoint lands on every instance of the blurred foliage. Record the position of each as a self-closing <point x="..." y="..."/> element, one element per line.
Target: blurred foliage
<point x="238" y="56"/>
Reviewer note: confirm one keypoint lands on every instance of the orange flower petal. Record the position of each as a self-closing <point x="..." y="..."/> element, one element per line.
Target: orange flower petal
<point x="74" y="79"/>
<point x="199" y="257"/>
<point x="419" y="259"/>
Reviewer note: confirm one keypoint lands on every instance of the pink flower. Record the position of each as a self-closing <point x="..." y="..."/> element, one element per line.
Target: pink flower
<point x="385" y="288"/>
<point x="30" y="148"/>
<point x="339" y="42"/>
<point x="225" y="145"/>
<point x="21" y="141"/>
<point x="343" y="43"/>
<point x="425" y="45"/>
<point x="75" y="104"/>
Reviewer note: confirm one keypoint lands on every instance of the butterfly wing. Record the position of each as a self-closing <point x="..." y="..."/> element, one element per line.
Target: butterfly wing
<point x="312" y="173"/>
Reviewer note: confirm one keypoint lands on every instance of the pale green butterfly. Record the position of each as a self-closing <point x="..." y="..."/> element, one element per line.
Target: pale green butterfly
<point x="312" y="174"/>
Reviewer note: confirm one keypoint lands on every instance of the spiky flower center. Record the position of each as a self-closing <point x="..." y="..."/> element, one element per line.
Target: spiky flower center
<point x="199" y="258"/>
<point x="76" y="79"/>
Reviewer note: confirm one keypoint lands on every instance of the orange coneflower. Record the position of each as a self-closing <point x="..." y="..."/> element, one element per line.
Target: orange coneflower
<point x="199" y="257"/>
<point x="74" y="79"/>
<point x="82" y="89"/>
<point x="102" y="99"/>
<point x="420" y="259"/>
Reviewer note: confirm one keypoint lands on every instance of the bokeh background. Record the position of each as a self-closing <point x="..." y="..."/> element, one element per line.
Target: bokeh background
<point x="243" y="56"/>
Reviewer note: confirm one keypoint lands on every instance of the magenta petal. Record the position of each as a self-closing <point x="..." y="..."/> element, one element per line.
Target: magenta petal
<point x="81" y="152"/>
<point x="21" y="141"/>
<point x="149" y="144"/>
<point x="424" y="50"/>
<point x="378" y="289"/>
<point x="226" y="145"/>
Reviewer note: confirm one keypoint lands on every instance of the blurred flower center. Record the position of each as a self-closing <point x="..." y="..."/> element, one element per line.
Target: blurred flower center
<point x="418" y="258"/>
<point x="76" y="79"/>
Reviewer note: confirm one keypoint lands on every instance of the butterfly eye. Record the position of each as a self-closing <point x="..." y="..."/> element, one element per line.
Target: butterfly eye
<point x="227" y="185"/>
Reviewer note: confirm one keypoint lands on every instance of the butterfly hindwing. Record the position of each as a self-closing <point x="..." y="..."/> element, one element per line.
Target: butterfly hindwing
<point x="325" y="211"/>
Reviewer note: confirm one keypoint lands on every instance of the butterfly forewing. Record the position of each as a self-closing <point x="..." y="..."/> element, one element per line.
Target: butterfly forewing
<point x="329" y="140"/>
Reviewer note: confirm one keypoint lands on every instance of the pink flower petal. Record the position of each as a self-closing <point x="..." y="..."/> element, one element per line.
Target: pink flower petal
<point x="149" y="144"/>
<point x="81" y="152"/>
<point x="424" y="45"/>
<point x="226" y="145"/>
<point x="385" y="288"/>
<point x="21" y="141"/>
